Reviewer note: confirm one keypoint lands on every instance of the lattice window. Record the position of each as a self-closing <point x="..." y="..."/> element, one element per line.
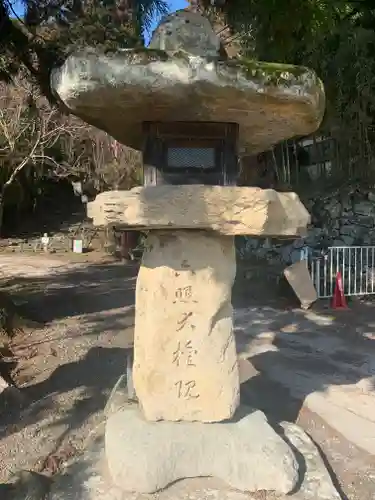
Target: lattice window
<point x="191" y="158"/>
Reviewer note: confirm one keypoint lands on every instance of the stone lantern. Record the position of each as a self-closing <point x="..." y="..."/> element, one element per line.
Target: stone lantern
<point x="190" y="112"/>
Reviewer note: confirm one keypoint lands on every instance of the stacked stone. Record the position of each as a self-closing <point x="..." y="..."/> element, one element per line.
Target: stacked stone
<point x="188" y="421"/>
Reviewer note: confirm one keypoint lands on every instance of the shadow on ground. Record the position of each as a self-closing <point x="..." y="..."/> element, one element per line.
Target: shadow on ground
<point x="95" y="375"/>
<point x="81" y="305"/>
<point x="81" y="290"/>
<point x="314" y="350"/>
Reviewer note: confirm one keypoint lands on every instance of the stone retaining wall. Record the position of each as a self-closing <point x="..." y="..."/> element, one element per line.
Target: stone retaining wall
<point x="339" y="218"/>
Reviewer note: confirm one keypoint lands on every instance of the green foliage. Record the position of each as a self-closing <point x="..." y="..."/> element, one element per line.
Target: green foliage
<point x="49" y="29"/>
<point x="336" y="38"/>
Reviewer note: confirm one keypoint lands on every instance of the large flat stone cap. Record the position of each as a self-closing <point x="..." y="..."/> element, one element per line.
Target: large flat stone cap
<point x="227" y="210"/>
<point x="117" y="92"/>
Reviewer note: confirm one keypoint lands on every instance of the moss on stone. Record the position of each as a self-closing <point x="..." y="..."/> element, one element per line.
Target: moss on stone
<point x="263" y="73"/>
<point x="258" y="72"/>
<point x="271" y="73"/>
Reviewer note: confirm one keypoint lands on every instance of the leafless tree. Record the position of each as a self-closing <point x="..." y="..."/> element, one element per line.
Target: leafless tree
<point x="96" y="157"/>
<point x="29" y="129"/>
<point x="116" y="165"/>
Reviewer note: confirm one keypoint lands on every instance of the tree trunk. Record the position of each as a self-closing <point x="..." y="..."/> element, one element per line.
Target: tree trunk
<point x="1" y="212"/>
<point x="110" y="244"/>
<point x="129" y="240"/>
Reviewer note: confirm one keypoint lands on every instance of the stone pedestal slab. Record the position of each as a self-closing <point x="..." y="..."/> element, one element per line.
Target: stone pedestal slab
<point x="185" y="361"/>
<point x="228" y="210"/>
<point x="245" y="453"/>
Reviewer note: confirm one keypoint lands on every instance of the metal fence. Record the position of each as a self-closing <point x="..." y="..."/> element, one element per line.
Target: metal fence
<point x="356" y="265"/>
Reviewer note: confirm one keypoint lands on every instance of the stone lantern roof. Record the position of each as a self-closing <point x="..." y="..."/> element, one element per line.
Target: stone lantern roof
<point x="183" y="76"/>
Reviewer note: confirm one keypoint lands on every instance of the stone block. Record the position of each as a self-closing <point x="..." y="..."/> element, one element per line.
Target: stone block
<point x="245" y="453"/>
<point x="299" y="278"/>
<point x="188" y="32"/>
<point x="87" y="476"/>
<point x="229" y="210"/>
<point x="185" y="361"/>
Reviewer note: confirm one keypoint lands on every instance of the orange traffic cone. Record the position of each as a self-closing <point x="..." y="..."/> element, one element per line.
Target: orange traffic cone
<point x="339" y="300"/>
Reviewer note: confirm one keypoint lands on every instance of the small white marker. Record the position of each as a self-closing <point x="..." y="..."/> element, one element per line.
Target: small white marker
<point x="45" y="241"/>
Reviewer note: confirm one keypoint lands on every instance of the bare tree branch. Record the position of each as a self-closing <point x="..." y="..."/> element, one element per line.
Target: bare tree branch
<point x="28" y="131"/>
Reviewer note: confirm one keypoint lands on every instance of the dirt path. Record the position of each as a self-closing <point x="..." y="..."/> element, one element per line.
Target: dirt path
<point x="306" y="367"/>
<point x="309" y="368"/>
<point x="75" y="359"/>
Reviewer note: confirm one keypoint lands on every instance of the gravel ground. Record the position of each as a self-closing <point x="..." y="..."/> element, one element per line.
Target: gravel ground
<point x="68" y="366"/>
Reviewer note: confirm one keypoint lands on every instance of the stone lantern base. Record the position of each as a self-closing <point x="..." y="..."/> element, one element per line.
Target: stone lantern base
<point x="245" y="453"/>
<point x="126" y="454"/>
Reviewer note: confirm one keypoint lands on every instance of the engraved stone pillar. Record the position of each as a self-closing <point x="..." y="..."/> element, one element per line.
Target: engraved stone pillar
<point x="185" y="362"/>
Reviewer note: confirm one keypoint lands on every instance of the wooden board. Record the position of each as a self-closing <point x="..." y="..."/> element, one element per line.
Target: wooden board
<point x="299" y="278"/>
